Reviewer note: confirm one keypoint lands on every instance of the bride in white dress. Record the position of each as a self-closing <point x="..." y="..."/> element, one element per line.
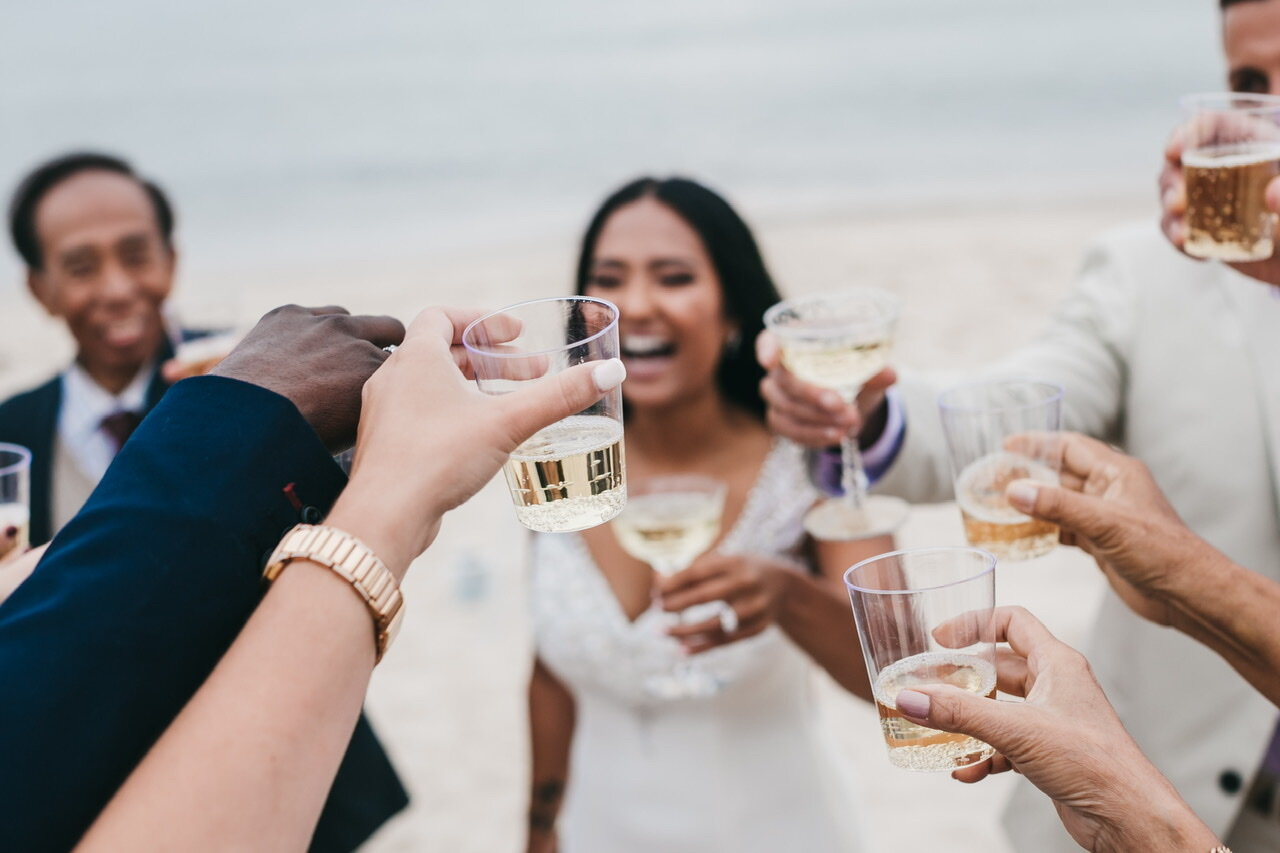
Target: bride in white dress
<point x="617" y="767"/>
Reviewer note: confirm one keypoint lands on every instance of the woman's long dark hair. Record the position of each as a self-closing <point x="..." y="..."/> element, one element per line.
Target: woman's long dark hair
<point x="748" y="288"/>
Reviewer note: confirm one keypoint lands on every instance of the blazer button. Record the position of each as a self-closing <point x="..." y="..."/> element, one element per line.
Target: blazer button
<point x="1230" y="782"/>
<point x="310" y="515"/>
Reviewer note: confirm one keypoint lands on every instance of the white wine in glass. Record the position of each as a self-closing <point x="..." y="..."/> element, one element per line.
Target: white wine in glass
<point x="916" y="747"/>
<point x="569" y="476"/>
<point x="668" y="530"/>
<point x="668" y="522"/>
<point x="839" y="341"/>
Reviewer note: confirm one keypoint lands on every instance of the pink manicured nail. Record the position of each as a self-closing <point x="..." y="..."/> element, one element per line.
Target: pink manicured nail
<point x="913" y="704"/>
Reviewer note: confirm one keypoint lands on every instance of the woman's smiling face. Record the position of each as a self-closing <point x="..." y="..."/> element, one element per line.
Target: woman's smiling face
<point x="652" y="264"/>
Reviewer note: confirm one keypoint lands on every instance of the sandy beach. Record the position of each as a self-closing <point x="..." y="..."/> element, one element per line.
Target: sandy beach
<point x="449" y="699"/>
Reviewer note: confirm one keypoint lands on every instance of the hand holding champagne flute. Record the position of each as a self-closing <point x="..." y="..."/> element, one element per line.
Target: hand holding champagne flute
<point x="839" y="341"/>
<point x="668" y="522"/>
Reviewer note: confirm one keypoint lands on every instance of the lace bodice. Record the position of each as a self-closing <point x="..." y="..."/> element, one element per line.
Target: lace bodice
<point x="584" y="636"/>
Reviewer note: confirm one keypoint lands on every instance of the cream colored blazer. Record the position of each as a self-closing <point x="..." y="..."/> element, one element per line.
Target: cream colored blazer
<point x="1178" y="362"/>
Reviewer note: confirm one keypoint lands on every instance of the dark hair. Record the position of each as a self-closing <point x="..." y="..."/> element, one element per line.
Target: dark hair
<point x="37" y="184"/>
<point x="748" y="288"/>
<point x="1225" y="3"/>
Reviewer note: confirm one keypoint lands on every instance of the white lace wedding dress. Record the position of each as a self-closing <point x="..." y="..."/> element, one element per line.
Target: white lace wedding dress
<point x="748" y="769"/>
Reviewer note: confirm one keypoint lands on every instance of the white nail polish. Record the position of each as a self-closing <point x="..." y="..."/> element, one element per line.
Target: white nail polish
<point x="609" y="374"/>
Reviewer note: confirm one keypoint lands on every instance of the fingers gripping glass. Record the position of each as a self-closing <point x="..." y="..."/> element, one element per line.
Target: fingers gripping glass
<point x="988" y="426"/>
<point x="668" y="522"/>
<point x="571" y="475"/>
<point x="925" y="616"/>
<point x="839" y="341"/>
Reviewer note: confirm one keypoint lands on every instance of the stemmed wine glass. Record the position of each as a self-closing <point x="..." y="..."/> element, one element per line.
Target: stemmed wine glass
<point x="668" y="521"/>
<point x="839" y="340"/>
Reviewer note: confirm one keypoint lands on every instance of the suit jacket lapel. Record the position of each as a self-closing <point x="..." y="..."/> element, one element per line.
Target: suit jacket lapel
<point x="1257" y="307"/>
<point x="39" y="429"/>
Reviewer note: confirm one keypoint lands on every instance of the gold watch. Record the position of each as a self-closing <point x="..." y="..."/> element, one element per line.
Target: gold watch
<point x="356" y="563"/>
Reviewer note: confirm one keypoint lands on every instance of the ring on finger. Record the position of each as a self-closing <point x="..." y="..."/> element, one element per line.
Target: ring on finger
<point x="728" y="619"/>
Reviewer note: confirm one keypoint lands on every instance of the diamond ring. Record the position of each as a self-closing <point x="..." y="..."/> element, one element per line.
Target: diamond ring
<point x="728" y="619"/>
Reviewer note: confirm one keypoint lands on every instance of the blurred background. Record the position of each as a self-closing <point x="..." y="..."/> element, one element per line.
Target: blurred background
<point x="390" y="154"/>
<point x="299" y="136"/>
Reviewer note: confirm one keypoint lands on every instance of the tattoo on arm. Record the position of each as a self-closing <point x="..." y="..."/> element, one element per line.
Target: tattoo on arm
<point x="545" y="804"/>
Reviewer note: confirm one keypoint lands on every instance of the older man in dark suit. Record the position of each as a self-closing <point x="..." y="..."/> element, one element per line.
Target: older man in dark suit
<point x="97" y="240"/>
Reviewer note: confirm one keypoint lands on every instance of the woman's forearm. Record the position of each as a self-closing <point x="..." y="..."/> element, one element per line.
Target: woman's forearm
<point x="815" y="614"/>
<point x="551" y="721"/>
<point x="275" y="716"/>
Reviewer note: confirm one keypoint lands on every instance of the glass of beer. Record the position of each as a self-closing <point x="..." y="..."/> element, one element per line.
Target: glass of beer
<point x="924" y="616"/>
<point x="15" y="500"/>
<point x="839" y="340"/>
<point x="1231" y="151"/>
<point x="571" y="475"/>
<point x="980" y="420"/>
<point x="669" y="520"/>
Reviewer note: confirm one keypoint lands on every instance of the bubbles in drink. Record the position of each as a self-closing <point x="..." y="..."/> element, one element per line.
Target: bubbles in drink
<point x="1227" y="215"/>
<point x="916" y="747"/>
<point x="669" y="529"/>
<point x="14" y="527"/>
<point x="990" y="522"/>
<point x="840" y="363"/>
<point x="569" y="476"/>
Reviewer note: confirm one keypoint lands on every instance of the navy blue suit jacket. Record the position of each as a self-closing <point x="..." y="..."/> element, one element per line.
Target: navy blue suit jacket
<point x="141" y="594"/>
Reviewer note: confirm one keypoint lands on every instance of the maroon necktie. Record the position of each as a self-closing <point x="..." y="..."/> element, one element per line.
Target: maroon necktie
<point x="119" y="426"/>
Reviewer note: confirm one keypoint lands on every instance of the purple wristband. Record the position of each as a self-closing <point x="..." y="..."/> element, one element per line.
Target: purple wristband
<point x="826" y="467"/>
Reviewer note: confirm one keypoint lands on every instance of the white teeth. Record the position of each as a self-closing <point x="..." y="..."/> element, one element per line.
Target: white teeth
<point x="643" y="344"/>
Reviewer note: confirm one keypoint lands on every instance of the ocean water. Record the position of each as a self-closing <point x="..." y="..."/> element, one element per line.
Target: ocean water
<point x="309" y="133"/>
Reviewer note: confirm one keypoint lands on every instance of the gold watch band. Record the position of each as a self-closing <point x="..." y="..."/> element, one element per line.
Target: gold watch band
<point x="353" y="561"/>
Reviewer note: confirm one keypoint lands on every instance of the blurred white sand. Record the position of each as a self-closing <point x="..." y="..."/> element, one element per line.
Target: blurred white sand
<point x="449" y="699"/>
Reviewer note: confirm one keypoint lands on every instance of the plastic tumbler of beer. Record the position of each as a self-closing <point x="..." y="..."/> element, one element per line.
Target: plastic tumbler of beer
<point x="981" y="421"/>
<point x="15" y="500"/>
<point x="571" y="475"/>
<point x="1231" y="151"/>
<point x="924" y="616"/>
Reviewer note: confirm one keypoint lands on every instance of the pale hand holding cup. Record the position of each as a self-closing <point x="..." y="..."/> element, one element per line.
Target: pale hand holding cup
<point x="1066" y="740"/>
<point x="1109" y="505"/>
<point x="429" y="439"/>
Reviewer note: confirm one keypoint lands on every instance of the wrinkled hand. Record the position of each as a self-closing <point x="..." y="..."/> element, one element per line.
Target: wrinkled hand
<point x="429" y="439"/>
<point x="808" y="414"/>
<point x="1066" y="740"/>
<point x="318" y="358"/>
<point x="1110" y="506"/>
<point x="751" y="586"/>
<point x="1173" y="205"/>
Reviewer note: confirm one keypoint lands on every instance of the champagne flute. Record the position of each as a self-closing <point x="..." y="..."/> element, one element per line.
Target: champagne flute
<point x="839" y="340"/>
<point x="670" y="520"/>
